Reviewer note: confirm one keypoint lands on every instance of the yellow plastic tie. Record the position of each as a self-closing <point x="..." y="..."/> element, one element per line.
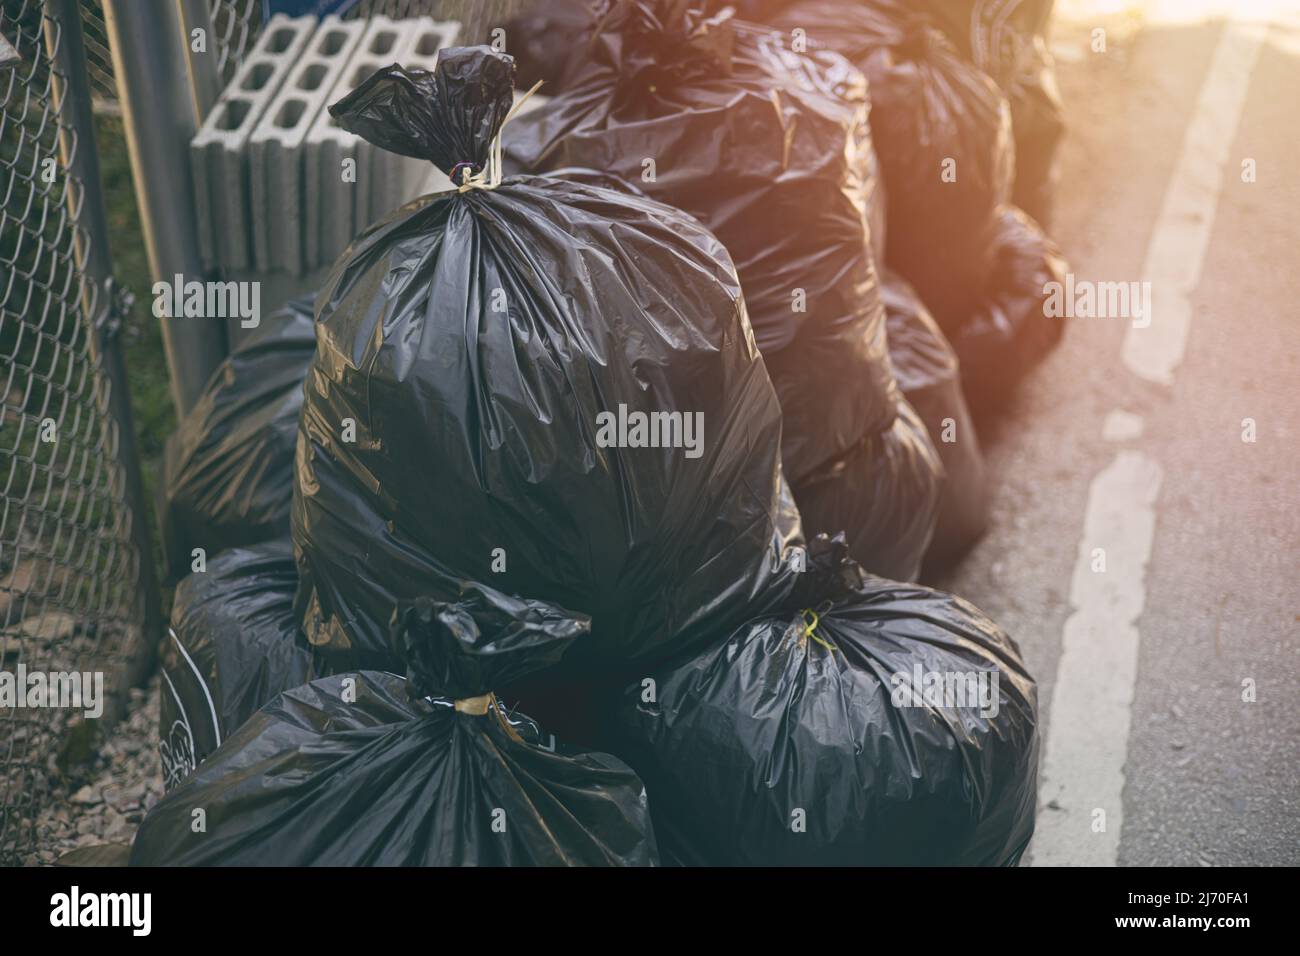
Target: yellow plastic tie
<point x="474" y="706"/>
<point x="810" y="628"/>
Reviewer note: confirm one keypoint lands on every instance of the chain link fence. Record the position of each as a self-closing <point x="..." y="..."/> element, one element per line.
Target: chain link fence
<point x="99" y="61"/>
<point x="77" y="591"/>
<point x="74" y="592"/>
<point x="235" y="25"/>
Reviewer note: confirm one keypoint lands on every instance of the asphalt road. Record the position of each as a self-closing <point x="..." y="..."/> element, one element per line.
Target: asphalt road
<point x="1168" y="681"/>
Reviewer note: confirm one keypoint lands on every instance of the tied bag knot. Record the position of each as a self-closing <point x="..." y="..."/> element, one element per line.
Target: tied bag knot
<point x="460" y="650"/>
<point x="451" y="116"/>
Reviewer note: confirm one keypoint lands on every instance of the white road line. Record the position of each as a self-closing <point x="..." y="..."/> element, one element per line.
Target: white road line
<point x="1081" y="809"/>
<point x="1122" y="426"/>
<point x="1087" y="735"/>
<point x="1182" y="232"/>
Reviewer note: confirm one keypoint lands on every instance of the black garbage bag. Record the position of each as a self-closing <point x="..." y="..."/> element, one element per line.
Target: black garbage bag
<point x="771" y="150"/>
<point x="929" y="375"/>
<point x="995" y="35"/>
<point x="826" y="736"/>
<point x="232" y="646"/>
<point x="942" y="130"/>
<point x="544" y="36"/>
<point x="929" y="107"/>
<point x="1010" y="332"/>
<point x="610" y="441"/>
<point x="370" y="769"/>
<point x="1038" y="120"/>
<point x="884" y="495"/>
<point x="227" y="473"/>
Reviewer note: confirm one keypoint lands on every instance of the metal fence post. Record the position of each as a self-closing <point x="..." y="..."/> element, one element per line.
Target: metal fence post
<point x="205" y="77"/>
<point x="154" y="90"/>
<point x="81" y="163"/>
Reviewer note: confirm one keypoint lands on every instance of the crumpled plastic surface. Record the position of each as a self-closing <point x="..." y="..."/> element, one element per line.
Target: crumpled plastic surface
<point x="233" y="645"/>
<point x="379" y="779"/>
<point x="481" y="641"/>
<point x="447" y="116"/>
<point x="227" y="474"/>
<point x="929" y="375"/>
<point x="783" y="744"/>
<point x="995" y="35"/>
<point x="770" y="149"/>
<point x="1010" y="332"/>
<point x="758" y="11"/>
<point x="544" y="36"/>
<point x="884" y="495"/>
<point x="1038" y="119"/>
<point x="928" y="105"/>
<point x="472" y="340"/>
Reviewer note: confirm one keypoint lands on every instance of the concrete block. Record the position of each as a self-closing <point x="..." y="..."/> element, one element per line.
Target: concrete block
<point x="218" y="151"/>
<point x="277" y="147"/>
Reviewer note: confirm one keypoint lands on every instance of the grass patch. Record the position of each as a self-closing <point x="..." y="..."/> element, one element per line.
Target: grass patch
<point x="141" y="338"/>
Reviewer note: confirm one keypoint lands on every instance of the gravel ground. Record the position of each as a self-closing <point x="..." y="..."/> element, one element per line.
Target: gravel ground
<point x="104" y="800"/>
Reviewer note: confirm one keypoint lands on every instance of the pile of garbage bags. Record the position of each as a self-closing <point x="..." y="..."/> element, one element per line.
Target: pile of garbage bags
<point x="656" y="456"/>
<point x="752" y="135"/>
<point x="957" y="150"/>
<point x="374" y="769"/>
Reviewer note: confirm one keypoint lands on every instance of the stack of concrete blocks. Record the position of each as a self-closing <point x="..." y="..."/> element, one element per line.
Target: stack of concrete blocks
<point x="218" y="152"/>
<point x="276" y="148"/>
<point x="340" y="210"/>
<point x="271" y="196"/>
